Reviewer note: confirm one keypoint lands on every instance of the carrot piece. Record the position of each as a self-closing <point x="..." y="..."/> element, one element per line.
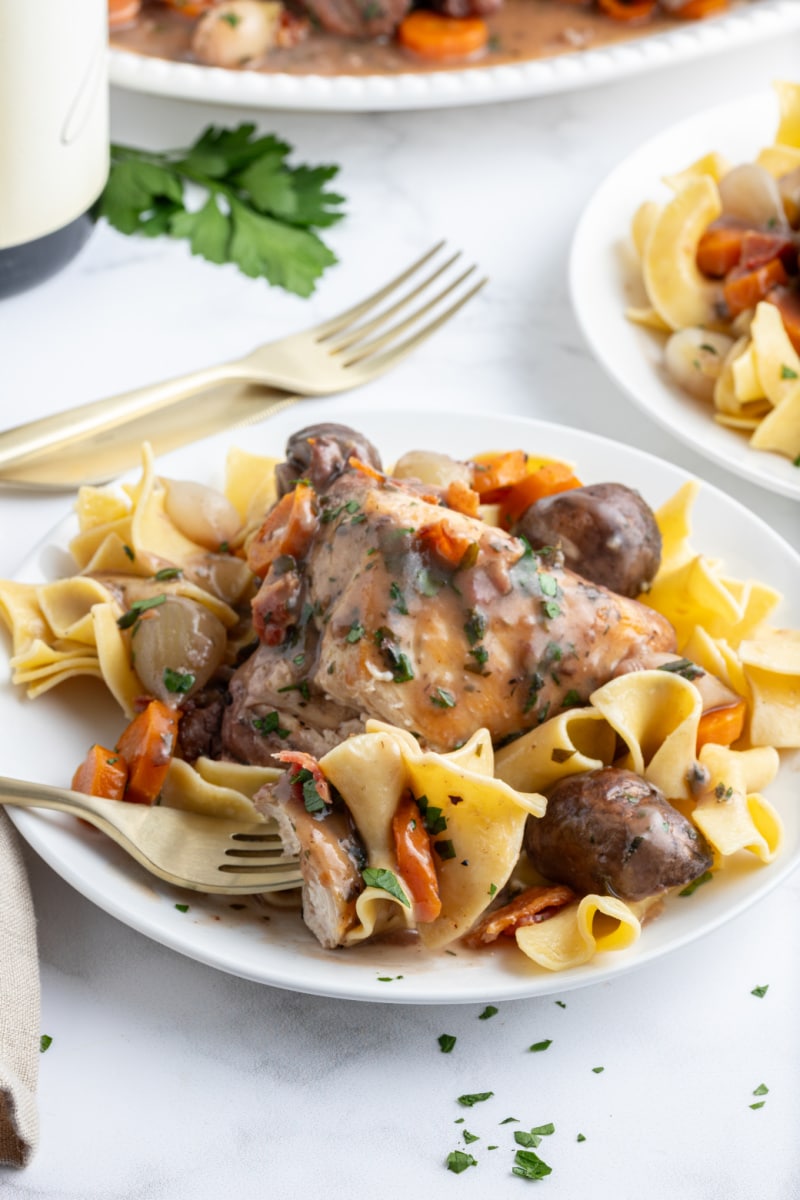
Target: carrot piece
<point x="288" y="529"/>
<point x="191" y="8"/>
<point x="122" y="12"/>
<point x="744" y="288"/>
<point x="628" y="10"/>
<point x="695" y="10"/>
<point x="436" y="36"/>
<point x="415" y="861"/>
<point x="102" y="773"/>
<point x="722" y="726"/>
<point x="147" y="745"/>
<point x="452" y="549"/>
<point x="788" y="304"/>
<point x="493" y="471"/>
<point x="547" y="481"/>
<point x="462" y="498"/>
<point x="531" y="906"/>
<point x="356" y="464"/>
<point x="719" y="250"/>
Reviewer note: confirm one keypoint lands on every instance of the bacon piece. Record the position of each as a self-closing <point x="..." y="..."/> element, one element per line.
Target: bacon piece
<point x="535" y="904"/>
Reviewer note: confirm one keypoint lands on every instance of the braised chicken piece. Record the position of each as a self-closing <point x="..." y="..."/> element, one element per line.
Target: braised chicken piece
<point x="379" y="601"/>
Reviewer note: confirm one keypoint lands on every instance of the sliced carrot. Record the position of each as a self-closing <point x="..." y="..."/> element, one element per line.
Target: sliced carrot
<point x="102" y="773"/>
<point x="788" y="304"/>
<point x="628" y="10"/>
<point x="462" y="499"/>
<point x="719" y="250"/>
<point x="745" y="288"/>
<point x="147" y="745"/>
<point x="357" y="465"/>
<point x="191" y="8"/>
<point x="122" y="12"/>
<point x="695" y="10"/>
<point x="531" y="906"/>
<point x="451" y="548"/>
<point x="493" y="471"/>
<point x="436" y="36"/>
<point x="415" y="861"/>
<point x="722" y="726"/>
<point x="288" y="529"/>
<point x="550" y="479"/>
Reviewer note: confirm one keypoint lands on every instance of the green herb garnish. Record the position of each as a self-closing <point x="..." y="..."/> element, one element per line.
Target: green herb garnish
<point x="446" y="1042"/>
<point x="355" y="633"/>
<point x="45" y="1042"/>
<point x="684" y="667"/>
<point x="537" y="1046"/>
<point x="470" y="1137"/>
<point x="489" y="1011"/>
<point x="472" y="1098"/>
<point x="459" y="1160"/>
<point x="167" y="573"/>
<point x="270" y="723"/>
<point x="692" y="887"/>
<point x="182" y="907"/>
<point x="528" y="1165"/>
<point x="387" y="881"/>
<point x="129" y="552"/>
<point x="760" y="991"/>
<point x="787" y="372"/>
<point x="178" y="682"/>
<point x="257" y="212"/>
<point x="442" y="698"/>
<point x="138" y="607"/>
<point x="598" y="1070"/>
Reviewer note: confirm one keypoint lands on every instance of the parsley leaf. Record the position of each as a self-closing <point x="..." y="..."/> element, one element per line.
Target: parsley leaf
<point x="528" y="1165"/>
<point x="489" y="1011"/>
<point x="760" y="991"/>
<point x="387" y="881"/>
<point x="692" y="887"/>
<point x="178" y="681"/>
<point x="257" y="211"/>
<point x="545" y="1045"/>
<point x="446" y="1042"/>
<point x="459" y="1160"/>
<point x="45" y="1042"/>
<point x="472" y="1098"/>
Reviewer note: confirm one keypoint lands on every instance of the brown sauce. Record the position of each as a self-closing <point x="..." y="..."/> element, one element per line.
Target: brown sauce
<point x="523" y="30"/>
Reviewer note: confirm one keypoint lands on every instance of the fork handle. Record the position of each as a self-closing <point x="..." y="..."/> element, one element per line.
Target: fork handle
<point x="22" y="794"/>
<point x="62" y="429"/>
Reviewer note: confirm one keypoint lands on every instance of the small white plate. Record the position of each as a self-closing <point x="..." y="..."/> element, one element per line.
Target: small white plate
<point x="44" y="740"/>
<point x="603" y="283"/>
<point x="446" y="89"/>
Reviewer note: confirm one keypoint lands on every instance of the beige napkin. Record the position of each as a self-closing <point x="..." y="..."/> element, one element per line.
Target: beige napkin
<point x="19" y="1005"/>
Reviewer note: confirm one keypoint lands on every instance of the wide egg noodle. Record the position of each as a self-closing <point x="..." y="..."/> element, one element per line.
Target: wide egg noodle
<point x="67" y="606"/>
<point x="571" y="742"/>
<point x="246" y="778"/>
<point x="676" y="288"/>
<point x="114" y="657"/>
<point x="656" y="713"/>
<point x="713" y="164"/>
<point x="485" y="821"/>
<point x="771" y="665"/>
<point x="579" y="931"/>
<point x="250" y="486"/>
<point x="788" y="133"/>
<point x="185" y="788"/>
<point x="731" y="814"/>
<point x="22" y="614"/>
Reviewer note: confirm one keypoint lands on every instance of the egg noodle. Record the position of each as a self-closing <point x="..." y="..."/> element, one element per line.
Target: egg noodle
<point x="646" y="721"/>
<point x="727" y="331"/>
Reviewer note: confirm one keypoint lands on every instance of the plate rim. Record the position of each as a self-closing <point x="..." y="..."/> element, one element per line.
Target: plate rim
<point x="37" y="829"/>
<point x="585" y="259"/>
<point x="452" y="88"/>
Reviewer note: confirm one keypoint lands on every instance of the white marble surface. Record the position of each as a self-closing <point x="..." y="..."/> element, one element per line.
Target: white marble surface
<point x="168" y="1080"/>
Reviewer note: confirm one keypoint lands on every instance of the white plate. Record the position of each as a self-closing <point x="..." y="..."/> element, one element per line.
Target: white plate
<point x="602" y="279"/>
<point x="45" y="739"/>
<point x="445" y="89"/>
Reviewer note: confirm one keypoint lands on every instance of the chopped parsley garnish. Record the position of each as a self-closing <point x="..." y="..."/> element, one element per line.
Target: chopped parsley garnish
<point x="787" y="372"/>
<point x="722" y="792"/>
<point x="398" y="662"/>
<point x="398" y="600"/>
<point x="426" y="583"/>
<point x="489" y="1011"/>
<point x="138" y="607"/>
<point x="442" y="698"/>
<point x="548" y="584"/>
<point x="301" y="687"/>
<point x="534" y="687"/>
<point x="692" y="887"/>
<point x="167" y="573"/>
<point x="580" y="1138"/>
<point x="481" y="656"/>
<point x="492" y="890"/>
<point x="445" y="849"/>
<point x="560" y="1003"/>
<point x="299" y="660"/>
<point x="684" y="667"/>
<point x="532" y="1138"/>
<point x="541" y="1045"/>
<point x="508" y="1120"/>
<point x="760" y="991"/>
<point x="387" y="881"/>
<point x="45" y="1042"/>
<point x="129" y="552"/>
<point x="355" y="633"/>
<point x="475" y="627"/>
<point x="312" y="800"/>
<point x="432" y="816"/>
<point x="446" y="1042"/>
<point x="270" y="723"/>
<point x="551" y="611"/>
<point x="708" y="349"/>
<point x="182" y="907"/>
<point x="470" y="1137"/>
<point x="178" y="682"/>
<point x="758" y="1104"/>
<point x="571" y="699"/>
<point x="598" y="1070"/>
<point x="761" y="1090"/>
<point x="528" y="1165"/>
<point x="472" y="1098"/>
<point x="459" y="1160"/>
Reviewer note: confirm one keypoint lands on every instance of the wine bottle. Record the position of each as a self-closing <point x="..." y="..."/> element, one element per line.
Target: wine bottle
<point x="53" y="133"/>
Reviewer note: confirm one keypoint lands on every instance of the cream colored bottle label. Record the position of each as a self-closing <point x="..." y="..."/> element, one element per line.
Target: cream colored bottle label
<point x="53" y="114"/>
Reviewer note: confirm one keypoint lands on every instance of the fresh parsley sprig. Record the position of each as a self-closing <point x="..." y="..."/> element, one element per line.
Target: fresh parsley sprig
<point x="255" y="210"/>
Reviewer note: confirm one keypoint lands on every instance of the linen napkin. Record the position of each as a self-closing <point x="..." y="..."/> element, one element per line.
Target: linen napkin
<point x="19" y="1005"/>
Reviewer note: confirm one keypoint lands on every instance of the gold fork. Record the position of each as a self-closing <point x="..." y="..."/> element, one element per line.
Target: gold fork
<point x="188" y="850"/>
<point x="341" y="353"/>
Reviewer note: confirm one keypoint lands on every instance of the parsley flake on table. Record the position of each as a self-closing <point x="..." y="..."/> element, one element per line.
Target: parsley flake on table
<point x="760" y="991"/>
<point x="459" y="1160"/>
<point x="45" y="1042"/>
<point x="544" y="1045"/>
<point x="470" y="1137"/>
<point x="489" y="1011"/>
<point x="471" y="1098"/>
<point x="255" y="211"/>
<point x="528" y="1165"/>
<point x="598" y="1070"/>
<point x="446" y="1042"/>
